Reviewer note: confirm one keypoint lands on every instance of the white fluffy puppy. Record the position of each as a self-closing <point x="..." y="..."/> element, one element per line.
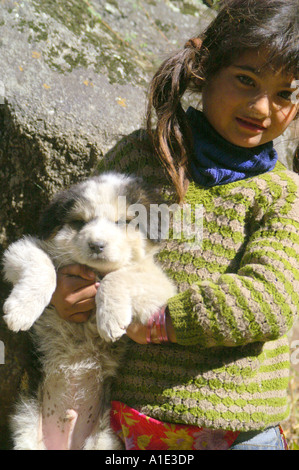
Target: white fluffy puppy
<point x="93" y="223"/>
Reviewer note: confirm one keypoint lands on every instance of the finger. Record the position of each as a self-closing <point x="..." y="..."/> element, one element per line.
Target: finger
<point x="78" y="270"/>
<point x="82" y="308"/>
<point x="82" y="294"/>
<point x="80" y="317"/>
<point x="73" y="284"/>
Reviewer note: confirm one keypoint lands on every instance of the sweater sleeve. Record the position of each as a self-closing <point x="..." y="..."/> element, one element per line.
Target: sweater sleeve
<point x="260" y="300"/>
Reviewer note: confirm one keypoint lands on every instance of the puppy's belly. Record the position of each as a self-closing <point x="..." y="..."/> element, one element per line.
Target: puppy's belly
<point x="68" y="415"/>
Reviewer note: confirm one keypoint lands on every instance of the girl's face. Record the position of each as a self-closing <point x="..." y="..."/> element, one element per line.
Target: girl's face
<point x="247" y="104"/>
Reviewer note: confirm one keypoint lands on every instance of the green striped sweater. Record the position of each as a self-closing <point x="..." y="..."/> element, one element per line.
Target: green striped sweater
<point x="237" y="298"/>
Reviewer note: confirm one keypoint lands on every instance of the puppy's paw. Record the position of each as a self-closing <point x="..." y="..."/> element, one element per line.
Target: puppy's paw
<point x="22" y="309"/>
<point x="112" y="320"/>
<point x="15" y="317"/>
<point x="114" y="307"/>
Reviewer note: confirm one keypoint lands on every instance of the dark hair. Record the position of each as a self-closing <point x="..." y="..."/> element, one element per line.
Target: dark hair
<point x="239" y="26"/>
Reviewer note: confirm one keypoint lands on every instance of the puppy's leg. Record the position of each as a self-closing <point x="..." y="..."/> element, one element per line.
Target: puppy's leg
<point x="114" y="308"/>
<point x="26" y="426"/>
<point x="59" y="435"/>
<point x="32" y="272"/>
<point x="128" y="294"/>
<point x="103" y="437"/>
<point x="70" y="410"/>
<point x="32" y="432"/>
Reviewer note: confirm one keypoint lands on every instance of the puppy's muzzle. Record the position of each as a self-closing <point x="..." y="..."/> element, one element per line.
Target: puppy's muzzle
<point x="97" y="247"/>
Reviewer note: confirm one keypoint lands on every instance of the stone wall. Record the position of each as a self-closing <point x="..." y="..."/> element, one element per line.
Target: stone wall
<point x="73" y="80"/>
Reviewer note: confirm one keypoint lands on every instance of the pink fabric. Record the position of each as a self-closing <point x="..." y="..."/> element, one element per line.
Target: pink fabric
<point x="140" y="432"/>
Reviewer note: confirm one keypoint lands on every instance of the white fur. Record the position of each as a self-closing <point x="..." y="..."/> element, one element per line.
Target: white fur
<point x="34" y="277"/>
<point x="79" y="360"/>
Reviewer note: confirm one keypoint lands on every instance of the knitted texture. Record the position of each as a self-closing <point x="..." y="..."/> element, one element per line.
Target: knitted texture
<point x="237" y="298"/>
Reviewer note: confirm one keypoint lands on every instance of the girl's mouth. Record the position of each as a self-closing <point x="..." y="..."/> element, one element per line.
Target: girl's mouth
<point x="250" y="124"/>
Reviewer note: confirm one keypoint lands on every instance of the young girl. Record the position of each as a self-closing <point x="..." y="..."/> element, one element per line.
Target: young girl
<point x="220" y="380"/>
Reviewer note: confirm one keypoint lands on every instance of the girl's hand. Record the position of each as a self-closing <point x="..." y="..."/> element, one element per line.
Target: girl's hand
<point x="74" y="300"/>
<point x="74" y="297"/>
<point x="137" y="332"/>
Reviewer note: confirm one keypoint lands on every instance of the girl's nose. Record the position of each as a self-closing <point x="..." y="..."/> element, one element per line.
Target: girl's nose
<point x="260" y="106"/>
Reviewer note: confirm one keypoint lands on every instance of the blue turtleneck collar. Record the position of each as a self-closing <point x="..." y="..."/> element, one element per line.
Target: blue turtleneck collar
<point x="216" y="161"/>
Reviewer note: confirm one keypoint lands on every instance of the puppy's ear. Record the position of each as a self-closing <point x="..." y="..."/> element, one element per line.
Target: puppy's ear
<point x="55" y="215"/>
<point x="153" y="216"/>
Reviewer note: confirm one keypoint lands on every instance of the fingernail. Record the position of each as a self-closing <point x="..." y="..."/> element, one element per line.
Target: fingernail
<point x="97" y="284"/>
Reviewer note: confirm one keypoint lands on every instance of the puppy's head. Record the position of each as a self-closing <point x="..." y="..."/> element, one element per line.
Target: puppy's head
<point x="105" y="222"/>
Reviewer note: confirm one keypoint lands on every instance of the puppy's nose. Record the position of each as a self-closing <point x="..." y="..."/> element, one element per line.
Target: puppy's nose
<point x="96" y="247"/>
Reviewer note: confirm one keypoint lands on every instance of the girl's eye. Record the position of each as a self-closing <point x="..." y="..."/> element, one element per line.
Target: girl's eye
<point x="246" y="80"/>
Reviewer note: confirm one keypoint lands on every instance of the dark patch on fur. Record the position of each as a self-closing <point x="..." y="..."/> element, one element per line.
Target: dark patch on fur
<point x="54" y="217"/>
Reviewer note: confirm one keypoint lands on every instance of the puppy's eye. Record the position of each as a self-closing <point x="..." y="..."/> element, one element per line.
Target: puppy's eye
<point x="77" y="224"/>
<point x="122" y="221"/>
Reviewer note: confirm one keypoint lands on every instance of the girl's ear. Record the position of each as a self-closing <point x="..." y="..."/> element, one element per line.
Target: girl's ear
<point x="196" y="43"/>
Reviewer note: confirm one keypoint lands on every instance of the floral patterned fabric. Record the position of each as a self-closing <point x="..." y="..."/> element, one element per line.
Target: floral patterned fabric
<point x="140" y="432"/>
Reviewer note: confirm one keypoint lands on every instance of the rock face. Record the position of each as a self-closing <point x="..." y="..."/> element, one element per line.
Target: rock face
<point x="73" y="80"/>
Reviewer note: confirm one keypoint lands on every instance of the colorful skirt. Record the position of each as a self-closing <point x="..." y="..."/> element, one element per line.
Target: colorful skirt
<point x="140" y="432"/>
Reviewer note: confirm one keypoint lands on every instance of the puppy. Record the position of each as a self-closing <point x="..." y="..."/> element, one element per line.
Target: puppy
<point x="93" y="223"/>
